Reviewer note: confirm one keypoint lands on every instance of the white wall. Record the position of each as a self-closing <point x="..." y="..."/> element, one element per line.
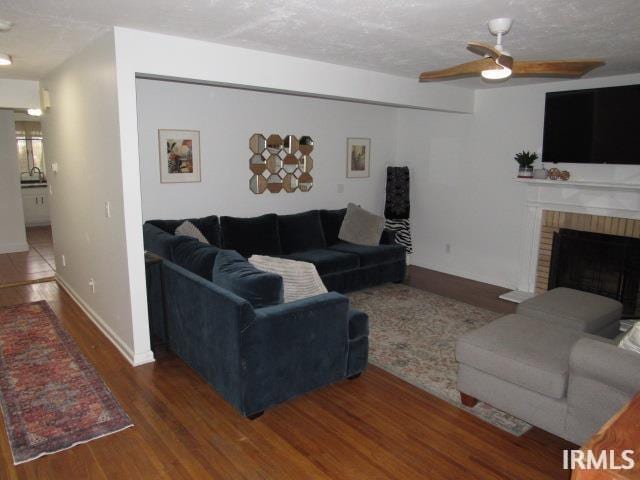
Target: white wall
<point x="82" y="132"/>
<point x="464" y="192"/>
<point x="12" y="233"/>
<point x="19" y="94"/>
<point x="226" y="118"/>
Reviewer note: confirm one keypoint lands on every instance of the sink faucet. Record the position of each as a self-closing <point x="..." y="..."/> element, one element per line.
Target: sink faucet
<point x="40" y="174"/>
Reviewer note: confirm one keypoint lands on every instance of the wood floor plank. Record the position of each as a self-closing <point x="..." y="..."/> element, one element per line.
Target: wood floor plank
<point x="377" y="426"/>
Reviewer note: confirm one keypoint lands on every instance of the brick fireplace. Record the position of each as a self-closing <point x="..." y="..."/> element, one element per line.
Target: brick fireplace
<point x="553" y="221"/>
<point x="597" y="207"/>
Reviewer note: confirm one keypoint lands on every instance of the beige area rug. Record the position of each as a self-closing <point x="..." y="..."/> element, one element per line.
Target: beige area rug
<point x="413" y="336"/>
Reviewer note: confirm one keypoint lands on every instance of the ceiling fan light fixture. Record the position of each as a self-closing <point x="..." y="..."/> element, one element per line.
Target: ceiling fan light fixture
<point x="5" y="59"/>
<point x="496" y="73"/>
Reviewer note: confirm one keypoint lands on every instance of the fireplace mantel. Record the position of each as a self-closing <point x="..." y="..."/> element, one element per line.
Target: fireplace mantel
<point x="581" y="184"/>
<point x="621" y="200"/>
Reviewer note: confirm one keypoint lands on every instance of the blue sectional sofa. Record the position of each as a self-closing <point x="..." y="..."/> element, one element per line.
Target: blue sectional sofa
<point x="259" y="355"/>
<point x="310" y="236"/>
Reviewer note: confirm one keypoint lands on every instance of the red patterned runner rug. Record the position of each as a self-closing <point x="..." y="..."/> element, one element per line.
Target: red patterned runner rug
<point x="51" y="396"/>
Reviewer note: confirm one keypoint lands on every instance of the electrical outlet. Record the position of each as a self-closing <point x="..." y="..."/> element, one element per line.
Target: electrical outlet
<point x="447" y="248"/>
<point x="92" y="285"/>
<point x="63" y="259"/>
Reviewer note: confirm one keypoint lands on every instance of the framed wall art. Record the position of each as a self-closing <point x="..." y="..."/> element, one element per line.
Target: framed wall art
<point x="358" y="157"/>
<point x="179" y="156"/>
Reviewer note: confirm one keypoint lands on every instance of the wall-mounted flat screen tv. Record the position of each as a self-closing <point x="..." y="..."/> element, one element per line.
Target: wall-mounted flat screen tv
<point x="600" y="125"/>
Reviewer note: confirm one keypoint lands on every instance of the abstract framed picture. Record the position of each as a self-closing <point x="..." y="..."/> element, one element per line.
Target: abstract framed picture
<point x="179" y="155"/>
<point x="358" y="157"/>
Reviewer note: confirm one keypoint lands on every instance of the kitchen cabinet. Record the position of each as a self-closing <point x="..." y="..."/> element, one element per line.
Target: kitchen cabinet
<point x="35" y="203"/>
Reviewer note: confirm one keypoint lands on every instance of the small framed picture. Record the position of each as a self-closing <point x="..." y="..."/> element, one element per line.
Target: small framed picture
<point x="179" y="156"/>
<point x="358" y="156"/>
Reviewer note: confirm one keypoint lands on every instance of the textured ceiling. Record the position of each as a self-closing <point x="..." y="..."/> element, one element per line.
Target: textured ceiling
<point x="401" y="37"/>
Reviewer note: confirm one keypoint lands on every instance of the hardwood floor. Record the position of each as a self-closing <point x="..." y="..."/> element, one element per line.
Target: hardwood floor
<point x="374" y="427"/>
<point x="468" y="291"/>
<point x="37" y="264"/>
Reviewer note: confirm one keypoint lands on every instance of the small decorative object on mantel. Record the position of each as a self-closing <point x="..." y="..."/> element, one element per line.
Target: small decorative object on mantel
<point x="280" y="163"/>
<point x="358" y="156"/>
<point x="540" y="173"/>
<point x="554" y="173"/>
<point x="525" y="160"/>
<point x="557" y="174"/>
<point x="179" y="156"/>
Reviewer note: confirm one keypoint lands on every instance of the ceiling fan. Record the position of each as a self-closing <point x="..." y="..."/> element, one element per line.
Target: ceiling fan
<point x="498" y="64"/>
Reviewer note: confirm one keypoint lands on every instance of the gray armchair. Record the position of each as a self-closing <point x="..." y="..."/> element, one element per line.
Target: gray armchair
<point x="602" y="379"/>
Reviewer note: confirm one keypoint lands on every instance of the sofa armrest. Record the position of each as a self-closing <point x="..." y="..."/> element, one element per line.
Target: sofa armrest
<point x="204" y="323"/>
<point x="388" y="237"/>
<point x="293" y="348"/>
<point x="606" y="363"/>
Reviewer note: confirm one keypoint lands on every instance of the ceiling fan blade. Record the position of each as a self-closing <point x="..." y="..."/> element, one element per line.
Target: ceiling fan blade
<point x="554" y="68"/>
<point x="462" y="70"/>
<point x="483" y="49"/>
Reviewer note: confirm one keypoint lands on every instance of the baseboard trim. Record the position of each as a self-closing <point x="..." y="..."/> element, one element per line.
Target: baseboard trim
<point x="14" y="247"/>
<point x="135" y="359"/>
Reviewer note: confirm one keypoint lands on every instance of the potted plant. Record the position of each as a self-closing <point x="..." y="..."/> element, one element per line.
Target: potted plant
<point x="525" y="160"/>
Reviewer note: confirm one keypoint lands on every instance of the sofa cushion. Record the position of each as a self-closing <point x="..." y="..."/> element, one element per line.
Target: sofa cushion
<point x="361" y="226"/>
<point x="209" y="226"/>
<point x="524" y="351"/>
<point x="233" y="272"/>
<point x="358" y="324"/>
<point x="569" y="308"/>
<point x="372" y="255"/>
<point x="331" y="223"/>
<point x="195" y="256"/>
<point x="251" y="235"/>
<point x="301" y="231"/>
<point x="158" y="241"/>
<point x="301" y="279"/>
<point x="326" y="260"/>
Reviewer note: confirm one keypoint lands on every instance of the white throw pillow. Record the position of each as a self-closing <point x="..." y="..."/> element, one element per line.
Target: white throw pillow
<point x="300" y="279"/>
<point x="631" y="339"/>
<point x="188" y="229"/>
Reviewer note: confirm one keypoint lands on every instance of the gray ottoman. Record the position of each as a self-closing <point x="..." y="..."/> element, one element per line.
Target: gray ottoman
<point x="576" y="310"/>
<point x="524" y="351"/>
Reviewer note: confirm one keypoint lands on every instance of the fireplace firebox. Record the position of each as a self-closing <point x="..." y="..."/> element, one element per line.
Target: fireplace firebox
<point x="607" y="265"/>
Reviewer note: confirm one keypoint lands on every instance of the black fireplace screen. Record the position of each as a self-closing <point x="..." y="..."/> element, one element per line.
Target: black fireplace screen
<point x="607" y="265"/>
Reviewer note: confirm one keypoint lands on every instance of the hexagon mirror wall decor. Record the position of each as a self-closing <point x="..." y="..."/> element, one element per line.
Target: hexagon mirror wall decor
<point x="306" y="145"/>
<point x="274" y="143"/>
<point x="291" y="144"/>
<point x="280" y="163"/>
<point x="257" y="143"/>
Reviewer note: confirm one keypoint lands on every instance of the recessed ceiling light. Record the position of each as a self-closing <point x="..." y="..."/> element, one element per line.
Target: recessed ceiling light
<point x="5" y="59"/>
<point x="34" y="112"/>
<point x="5" y="25"/>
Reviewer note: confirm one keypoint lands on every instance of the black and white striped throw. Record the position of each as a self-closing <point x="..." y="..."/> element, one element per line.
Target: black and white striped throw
<point x="397" y="206"/>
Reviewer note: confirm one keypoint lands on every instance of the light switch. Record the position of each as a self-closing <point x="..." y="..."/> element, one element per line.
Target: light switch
<point x="107" y="209"/>
<point x="54" y="167"/>
<point x="340" y="188"/>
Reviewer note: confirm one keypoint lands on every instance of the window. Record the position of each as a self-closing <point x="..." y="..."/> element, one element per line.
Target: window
<point x="29" y="143"/>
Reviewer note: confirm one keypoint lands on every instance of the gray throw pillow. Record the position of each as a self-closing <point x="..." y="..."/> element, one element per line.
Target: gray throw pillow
<point x="361" y="227"/>
<point x="188" y="229"/>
